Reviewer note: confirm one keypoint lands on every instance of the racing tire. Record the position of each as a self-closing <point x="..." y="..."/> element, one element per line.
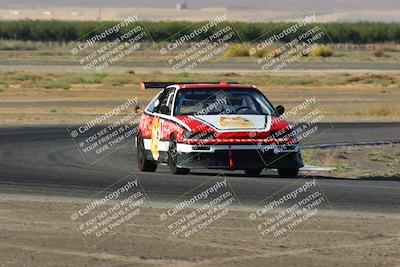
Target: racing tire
<point x="288" y="173"/>
<point x="172" y="157"/>
<point x="144" y="164"/>
<point x="253" y="172"/>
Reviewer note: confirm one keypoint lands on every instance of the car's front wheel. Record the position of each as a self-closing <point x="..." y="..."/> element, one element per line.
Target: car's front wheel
<point x="144" y="165"/>
<point x="172" y="159"/>
<point x="288" y="173"/>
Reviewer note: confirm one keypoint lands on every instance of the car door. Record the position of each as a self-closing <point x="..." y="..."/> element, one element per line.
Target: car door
<point x="161" y="125"/>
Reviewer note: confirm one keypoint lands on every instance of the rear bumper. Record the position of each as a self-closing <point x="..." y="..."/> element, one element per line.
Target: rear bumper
<point x="238" y="157"/>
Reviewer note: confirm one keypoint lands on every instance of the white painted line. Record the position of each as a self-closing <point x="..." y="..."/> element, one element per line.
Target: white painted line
<point x="372" y="143"/>
<point x="309" y="168"/>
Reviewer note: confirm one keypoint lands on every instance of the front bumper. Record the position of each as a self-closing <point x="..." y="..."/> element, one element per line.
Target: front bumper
<point x="238" y="157"/>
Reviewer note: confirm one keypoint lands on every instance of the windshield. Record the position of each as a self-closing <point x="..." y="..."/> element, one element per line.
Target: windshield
<point x="225" y="101"/>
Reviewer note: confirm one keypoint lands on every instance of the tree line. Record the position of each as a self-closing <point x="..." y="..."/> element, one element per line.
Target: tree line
<point x="67" y="31"/>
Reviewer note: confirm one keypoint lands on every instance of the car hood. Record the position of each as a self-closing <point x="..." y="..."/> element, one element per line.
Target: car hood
<point x="222" y="123"/>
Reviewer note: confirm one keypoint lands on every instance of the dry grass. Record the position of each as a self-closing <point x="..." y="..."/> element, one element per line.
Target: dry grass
<point x="384" y="111"/>
<point x="379" y="79"/>
<point x="388" y="47"/>
<point x="358" y="162"/>
<point x="52" y="51"/>
<point x="341" y="97"/>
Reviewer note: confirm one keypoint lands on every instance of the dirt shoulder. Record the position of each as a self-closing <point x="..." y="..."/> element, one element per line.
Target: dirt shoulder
<point x="358" y="162"/>
<point x="42" y="234"/>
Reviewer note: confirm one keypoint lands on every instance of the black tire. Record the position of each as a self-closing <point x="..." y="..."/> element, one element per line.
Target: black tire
<point x="253" y="172"/>
<point x="172" y="159"/>
<point x="144" y="164"/>
<point x="288" y="173"/>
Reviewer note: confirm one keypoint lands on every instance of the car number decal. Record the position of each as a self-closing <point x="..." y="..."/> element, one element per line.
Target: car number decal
<point x="155" y="137"/>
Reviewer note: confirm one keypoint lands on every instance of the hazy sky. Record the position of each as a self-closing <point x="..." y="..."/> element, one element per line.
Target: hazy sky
<point x="322" y="5"/>
<point x="247" y="10"/>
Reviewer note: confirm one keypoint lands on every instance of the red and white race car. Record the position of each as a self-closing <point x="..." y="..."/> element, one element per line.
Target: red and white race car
<point x="215" y="126"/>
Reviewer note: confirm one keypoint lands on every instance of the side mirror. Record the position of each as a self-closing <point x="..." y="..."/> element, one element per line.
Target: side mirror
<point x="280" y="109"/>
<point x="165" y="110"/>
<point x="138" y="110"/>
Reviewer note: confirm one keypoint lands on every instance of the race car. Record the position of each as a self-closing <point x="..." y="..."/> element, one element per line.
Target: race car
<point x="217" y="125"/>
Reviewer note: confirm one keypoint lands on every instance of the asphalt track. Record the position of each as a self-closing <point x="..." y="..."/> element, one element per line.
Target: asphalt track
<point x="43" y="161"/>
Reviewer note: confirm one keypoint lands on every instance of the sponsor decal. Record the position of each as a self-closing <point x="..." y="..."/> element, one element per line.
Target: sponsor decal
<point x="155" y="137"/>
<point x="235" y="122"/>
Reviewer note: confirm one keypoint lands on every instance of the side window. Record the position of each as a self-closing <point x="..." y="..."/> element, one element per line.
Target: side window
<point x="166" y="101"/>
<point x="154" y="103"/>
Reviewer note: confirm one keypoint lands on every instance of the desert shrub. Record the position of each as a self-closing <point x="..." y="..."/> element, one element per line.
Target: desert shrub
<point x="378" y="53"/>
<point x="57" y="84"/>
<point x="238" y="50"/>
<point x="90" y="78"/>
<point x="322" y="51"/>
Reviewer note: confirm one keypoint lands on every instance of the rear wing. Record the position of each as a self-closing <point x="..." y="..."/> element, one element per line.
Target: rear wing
<point x="155" y="85"/>
<point x="162" y="85"/>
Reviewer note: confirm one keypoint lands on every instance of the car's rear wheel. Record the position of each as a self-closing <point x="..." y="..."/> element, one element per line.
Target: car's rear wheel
<point x="253" y="172"/>
<point x="288" y="173"/>
<point x="144" y="164"/>
<point x="172" y="159"/>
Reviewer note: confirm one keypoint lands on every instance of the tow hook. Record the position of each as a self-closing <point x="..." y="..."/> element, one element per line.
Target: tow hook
<point x="230" y="157"/>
